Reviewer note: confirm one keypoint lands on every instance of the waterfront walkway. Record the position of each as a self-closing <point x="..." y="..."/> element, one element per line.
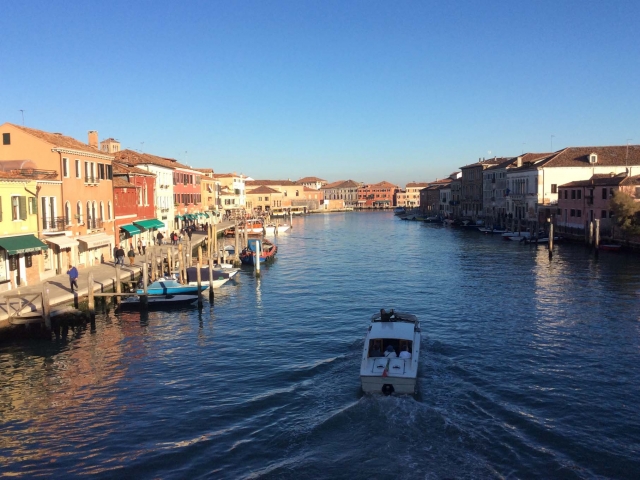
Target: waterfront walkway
<point x="104" y="277"/>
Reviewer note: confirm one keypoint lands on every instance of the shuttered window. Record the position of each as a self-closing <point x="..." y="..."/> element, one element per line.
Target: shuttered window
<point x="33" y="205"/>
<point x="18" y="208"/>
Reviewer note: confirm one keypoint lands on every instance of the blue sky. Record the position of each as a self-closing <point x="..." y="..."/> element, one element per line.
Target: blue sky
<point x="363" y="90"/>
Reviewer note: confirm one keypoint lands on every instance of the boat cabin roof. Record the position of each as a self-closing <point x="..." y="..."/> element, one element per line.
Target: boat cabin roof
<point x="398" y="330"/>
<point x="394" y="325"/>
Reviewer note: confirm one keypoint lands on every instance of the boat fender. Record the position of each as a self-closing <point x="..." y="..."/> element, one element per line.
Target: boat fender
<point x="387" y="389"/>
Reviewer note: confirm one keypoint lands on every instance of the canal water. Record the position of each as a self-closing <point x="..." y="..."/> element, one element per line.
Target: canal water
<point x="528" y="369"/>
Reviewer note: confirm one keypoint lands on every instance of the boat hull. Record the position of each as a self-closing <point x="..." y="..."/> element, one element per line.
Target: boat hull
<point x="158" y="302"/>
<point x="401" y="386"/>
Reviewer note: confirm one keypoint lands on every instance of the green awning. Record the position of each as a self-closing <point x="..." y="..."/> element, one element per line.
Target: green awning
<point x="131" y="229"/>
<point x="179" y="217"/>
<point x="206" y="215"/>
<point x="188" y="216"/>
<point x="22" y="244"/>
<point x="149" y="224"/>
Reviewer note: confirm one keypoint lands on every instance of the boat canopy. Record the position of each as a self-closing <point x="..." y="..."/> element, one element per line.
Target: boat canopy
<point x="398" y="330"/>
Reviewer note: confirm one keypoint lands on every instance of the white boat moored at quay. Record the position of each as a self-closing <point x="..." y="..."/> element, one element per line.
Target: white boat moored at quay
<point x="391" y="353"/>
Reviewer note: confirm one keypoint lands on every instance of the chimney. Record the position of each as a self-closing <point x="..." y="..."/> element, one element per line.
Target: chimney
<point x="519" y="162"/>
<point x="93" y="138"/>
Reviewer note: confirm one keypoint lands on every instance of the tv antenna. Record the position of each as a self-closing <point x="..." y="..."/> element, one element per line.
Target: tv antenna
<point x="22" y="111"/>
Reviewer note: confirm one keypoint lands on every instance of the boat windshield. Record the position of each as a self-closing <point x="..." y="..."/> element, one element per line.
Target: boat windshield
<point x="378" y="346"/>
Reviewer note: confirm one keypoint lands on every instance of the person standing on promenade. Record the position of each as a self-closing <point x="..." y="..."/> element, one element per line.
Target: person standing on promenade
<point x="131" y="255"/>
<point x="160" y="237"/>
<point x="144" y="246"/>
<point x="139" y="247"/>
<point x="73" y="277"/>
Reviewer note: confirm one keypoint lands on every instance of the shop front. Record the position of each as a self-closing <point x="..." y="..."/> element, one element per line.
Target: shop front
<point x="61" y="252"/>
<point x="20" y="261"/>
<point x="94" y="249"/>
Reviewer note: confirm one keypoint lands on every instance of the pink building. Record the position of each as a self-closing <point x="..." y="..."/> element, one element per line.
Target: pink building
<point x="582" y="201"/>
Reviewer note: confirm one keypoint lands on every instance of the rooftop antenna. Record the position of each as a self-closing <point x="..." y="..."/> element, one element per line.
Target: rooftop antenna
<point x="22" y="117"/>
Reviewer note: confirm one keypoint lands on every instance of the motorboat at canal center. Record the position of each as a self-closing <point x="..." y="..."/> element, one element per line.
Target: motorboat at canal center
<point x="267" y="251"/>
<point x="220" y="276"/>
<point x="391" y="353"/>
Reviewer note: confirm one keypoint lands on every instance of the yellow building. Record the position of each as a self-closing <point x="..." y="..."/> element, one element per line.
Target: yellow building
<point x="21" y="253"/>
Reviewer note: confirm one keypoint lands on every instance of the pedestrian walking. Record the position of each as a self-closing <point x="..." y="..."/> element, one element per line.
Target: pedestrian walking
<point x="120" y="255"/>
<point x="144" y="246"/>
<point x="73" y="277"/>
<point x="131" y="255"/>
<point x="139" y="247"/>
<point x="160" y="237"/>
<point x="189" y="233"/>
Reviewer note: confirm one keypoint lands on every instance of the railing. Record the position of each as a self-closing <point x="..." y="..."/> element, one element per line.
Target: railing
<point x="90" y="179"/>
<point x="94" y="223"/>
<point x="54" y="224"/>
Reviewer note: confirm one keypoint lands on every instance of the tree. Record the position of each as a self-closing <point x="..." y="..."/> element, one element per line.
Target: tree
<point x="627" y="213"/>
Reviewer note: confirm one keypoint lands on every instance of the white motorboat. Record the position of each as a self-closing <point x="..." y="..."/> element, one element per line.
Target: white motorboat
<point x="220" y="276"/>
<point x="391" y="333"/>
<point x="271" y="228"/>
<point x="515" y="236"/>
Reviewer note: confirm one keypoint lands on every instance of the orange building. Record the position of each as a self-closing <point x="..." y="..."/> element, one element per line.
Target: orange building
<point x="76" y="205"/>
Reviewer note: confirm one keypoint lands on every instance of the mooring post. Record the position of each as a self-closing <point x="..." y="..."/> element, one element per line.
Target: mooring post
<point x="154" y="265"/>
<point x="46" y="307"/>
<point x="590" y="234"/>
<point x="199" y="276"/>
<point x="118" y="284"/>
<point x="236" y="257"/>
<point x="256" y="258"/>
<point x="211" y="280"/>
<point x="597" y="239"/>
<point x="550" y="240"/>
<point x="144" y="298"/>
<point x="91" y="302"/>
<point x="214" y="244"/>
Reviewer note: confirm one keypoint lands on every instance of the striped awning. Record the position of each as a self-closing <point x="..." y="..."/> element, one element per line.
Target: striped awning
<point x="149" y="224"/>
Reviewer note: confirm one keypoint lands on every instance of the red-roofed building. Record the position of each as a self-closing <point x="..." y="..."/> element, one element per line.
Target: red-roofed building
<point x="377" y="195"/>
<point x="133" y="200"/>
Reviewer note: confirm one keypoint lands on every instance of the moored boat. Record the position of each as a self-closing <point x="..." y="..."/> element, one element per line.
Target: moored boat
<point x="220" y="276"/>
<point x="170" y="286"/>
<point x="267" y="251"/>
<point x="611" y="247"/>
<point x="158" y="301"/>
<point x="391" y="353"/>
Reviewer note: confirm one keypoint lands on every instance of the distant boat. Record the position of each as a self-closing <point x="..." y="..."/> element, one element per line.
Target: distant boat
<point x="270" y="228"/>
<point x="399" y="210"/>
<point x="611" y="247"/>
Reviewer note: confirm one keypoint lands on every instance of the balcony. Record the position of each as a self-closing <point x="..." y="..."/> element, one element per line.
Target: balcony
<point x="54" y="224"/>
<point x="90" y="180"/>
<point x="94" y="224"/>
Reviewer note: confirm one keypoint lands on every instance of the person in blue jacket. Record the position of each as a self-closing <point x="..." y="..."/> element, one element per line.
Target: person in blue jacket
<point x="73" y="277"/>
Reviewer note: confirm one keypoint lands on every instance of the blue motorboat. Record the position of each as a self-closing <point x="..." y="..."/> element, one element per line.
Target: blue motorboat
<point x="168" y="286"/>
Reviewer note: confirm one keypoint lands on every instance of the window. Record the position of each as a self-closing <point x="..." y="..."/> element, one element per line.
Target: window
<point x="573" y="194"/>
<point x="87" y="176"/>
<point x="102" y="211"/>
<point x="6" y="139"/>
<point x="109" y="172"/>
<point x="578" y="213"/>
<point x="101" y="171"/>
<point x="604" y="193"/>
<point x="603" y="214"/>
<point x="578" y="194"/>
<point x="18" y="208"/>
<point x="65" y="167"/>
<point x="572" y="213"/>
<point x="565" y="194"/>
<point x="78" y="169"/>
<point x="554" y="188"/>
<point x="79" y="212"/>
<point x="33" y="205"/>
<point x="297" y="193"/>
<point x="28" y="260"/>
<point x="67" y="213"/>
<point x="109" y="209"/>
